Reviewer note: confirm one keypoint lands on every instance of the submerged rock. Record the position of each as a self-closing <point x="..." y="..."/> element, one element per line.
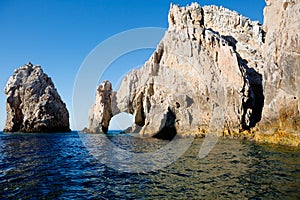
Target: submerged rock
<point x="33" y="103"/>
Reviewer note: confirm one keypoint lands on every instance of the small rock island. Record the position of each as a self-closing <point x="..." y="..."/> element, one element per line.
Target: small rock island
<point x="33" y="103"/>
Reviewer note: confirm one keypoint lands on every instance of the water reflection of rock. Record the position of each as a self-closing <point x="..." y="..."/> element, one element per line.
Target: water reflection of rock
<point x="134" y="154"/>
<point x="233" y="168"/>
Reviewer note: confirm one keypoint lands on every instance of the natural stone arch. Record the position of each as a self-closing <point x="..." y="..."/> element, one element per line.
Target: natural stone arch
<point x="122" y="121"/>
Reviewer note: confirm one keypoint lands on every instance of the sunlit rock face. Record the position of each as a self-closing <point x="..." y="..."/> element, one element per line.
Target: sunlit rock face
<point x="203" y="75"/>
<point x="217" y="70"/>
<point x="33" y="103"/>
<point x="101" y="112"/>
<point x="281" y="73"/>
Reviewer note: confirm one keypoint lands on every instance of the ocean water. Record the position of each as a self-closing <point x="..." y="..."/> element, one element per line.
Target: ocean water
<point x="60" y="166"/>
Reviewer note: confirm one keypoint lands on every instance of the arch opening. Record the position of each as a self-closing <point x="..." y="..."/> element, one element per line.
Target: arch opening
<point x="121" y="122"/>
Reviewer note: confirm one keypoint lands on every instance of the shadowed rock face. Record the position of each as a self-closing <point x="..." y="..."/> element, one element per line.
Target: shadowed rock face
<point x="215" y="69"/>
<point x="33" y="104"/>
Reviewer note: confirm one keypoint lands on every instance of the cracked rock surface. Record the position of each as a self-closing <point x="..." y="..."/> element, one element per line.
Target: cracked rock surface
<point x="33" y="103"/>
<point x="216" y="70"/>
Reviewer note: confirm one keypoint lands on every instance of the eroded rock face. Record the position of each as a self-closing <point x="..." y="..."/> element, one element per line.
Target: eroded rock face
<point x="202" y="76"/>
<point x="216" y="70"/>
<point x="33" y="104"/>
<point x="282" y="66"/>
<point x="101" y="112"/>
<point x="246" y="36"/>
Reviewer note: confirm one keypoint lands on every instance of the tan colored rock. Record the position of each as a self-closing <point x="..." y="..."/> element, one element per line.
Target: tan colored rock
<point x="101" y="112"/>
<point x="33" y="103"/>
<point x="216" y="70"/>
<point x="282" y="66"/>
<point x="195" y="77"/>
<point x="246" y="36"/>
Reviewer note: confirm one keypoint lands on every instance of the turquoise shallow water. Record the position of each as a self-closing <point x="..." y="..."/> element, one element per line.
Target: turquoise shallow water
<point x="58" y="166"/>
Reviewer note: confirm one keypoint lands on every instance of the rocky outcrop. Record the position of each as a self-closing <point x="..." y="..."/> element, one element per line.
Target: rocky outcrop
<point x="246" y="36"/>
<point x="282" y="66"/>
<point x="101" y="112"/>
<point x="199" y="79"/>
<point x="33" y="104"/>
<point x="215" y="70"/>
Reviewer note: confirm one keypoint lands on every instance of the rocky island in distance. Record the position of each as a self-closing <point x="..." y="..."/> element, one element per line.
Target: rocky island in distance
<point x="211" y="64"/>
<point x="33" y="103"/>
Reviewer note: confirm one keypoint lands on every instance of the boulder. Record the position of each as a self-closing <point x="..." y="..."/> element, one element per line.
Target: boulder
<point x="33" y="103"/>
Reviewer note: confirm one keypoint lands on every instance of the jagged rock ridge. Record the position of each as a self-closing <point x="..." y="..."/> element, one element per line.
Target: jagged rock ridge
<point x="194" y="71"/>
<point x="33" y="103"/>
<point x="215" y="70"/>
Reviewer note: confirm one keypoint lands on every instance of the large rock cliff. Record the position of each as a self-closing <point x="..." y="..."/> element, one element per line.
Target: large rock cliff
<point x="199" y="74"/>
<point x="215" y="70"/>
<point x="33" y="104"/>
<point x="282" y="66"/>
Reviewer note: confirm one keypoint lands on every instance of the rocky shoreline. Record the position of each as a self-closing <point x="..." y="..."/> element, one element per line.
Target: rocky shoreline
<point x="213" y="71"/>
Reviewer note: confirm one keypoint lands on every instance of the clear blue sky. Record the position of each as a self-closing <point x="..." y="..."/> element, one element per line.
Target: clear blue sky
<point x="59" y="34"/>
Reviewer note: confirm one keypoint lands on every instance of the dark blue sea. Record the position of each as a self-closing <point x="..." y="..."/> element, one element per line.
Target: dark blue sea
<point x="63" y="166"/>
